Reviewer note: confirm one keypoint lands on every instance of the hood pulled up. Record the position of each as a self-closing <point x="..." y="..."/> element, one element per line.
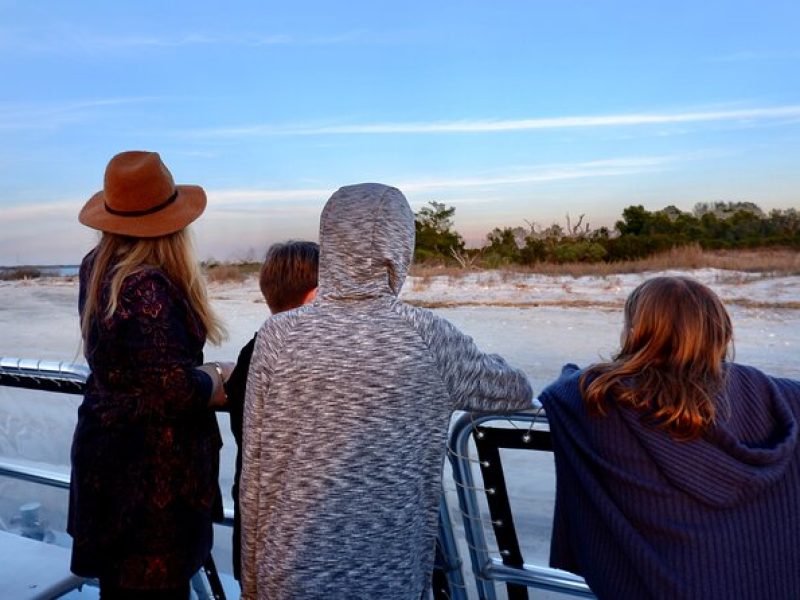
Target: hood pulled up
<point x="366" y="237"/>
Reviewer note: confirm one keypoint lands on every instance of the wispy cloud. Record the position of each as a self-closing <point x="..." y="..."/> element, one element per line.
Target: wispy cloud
<point x="58" y="209"/>
<point x="243" y="197"/>
<point x="19" y="116"/>
<point x="504" y="125"/>
<point x="545" y="173"/>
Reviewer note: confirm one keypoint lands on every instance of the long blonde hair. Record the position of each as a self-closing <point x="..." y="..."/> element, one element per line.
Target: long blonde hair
<point x="670" y="368"/>
<point x="173" y="254"/>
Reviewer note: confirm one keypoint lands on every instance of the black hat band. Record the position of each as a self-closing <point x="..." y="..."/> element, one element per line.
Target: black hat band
<point x="141" y="213"/>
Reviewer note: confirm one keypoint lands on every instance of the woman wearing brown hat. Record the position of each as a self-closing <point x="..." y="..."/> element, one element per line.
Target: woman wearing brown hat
<point x="145" y="455"/>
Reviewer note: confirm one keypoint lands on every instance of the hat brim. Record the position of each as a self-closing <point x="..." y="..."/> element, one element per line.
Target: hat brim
<point x="189" y="204"/>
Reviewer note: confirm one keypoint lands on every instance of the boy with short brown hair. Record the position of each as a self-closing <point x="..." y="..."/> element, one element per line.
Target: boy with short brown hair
<point x="288" y="277"/>
<point x="288" y="280"/>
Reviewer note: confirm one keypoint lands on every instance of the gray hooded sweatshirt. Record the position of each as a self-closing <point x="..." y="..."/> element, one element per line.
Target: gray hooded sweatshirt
<point x="346" y="415"/>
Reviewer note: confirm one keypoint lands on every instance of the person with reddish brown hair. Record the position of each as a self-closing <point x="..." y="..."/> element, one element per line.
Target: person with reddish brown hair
<point x="288" y="279"/>
<point x="676" y="338"/>
<point x="677" y="471"/>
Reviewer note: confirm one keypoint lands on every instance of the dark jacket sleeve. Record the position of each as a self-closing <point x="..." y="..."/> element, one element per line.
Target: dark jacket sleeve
<point x="161" y="370"/>
<point x="235" y="388"/>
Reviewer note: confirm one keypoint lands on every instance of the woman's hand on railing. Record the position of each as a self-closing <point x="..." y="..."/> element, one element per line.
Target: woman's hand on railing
<point x="219" y="372"/>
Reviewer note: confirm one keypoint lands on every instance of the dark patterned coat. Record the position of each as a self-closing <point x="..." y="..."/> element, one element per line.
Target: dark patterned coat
<point x="145" y="455"/>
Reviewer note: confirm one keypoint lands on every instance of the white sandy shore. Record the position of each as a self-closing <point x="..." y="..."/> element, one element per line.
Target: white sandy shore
<point x="38" y="317"/>
<point x="498" y="288"/>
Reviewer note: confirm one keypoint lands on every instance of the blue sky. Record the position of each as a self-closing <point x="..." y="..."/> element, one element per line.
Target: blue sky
<point x="510" y="111"/>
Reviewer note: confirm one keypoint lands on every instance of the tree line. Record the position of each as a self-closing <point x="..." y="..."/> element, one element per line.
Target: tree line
<point x="638" y="234"/>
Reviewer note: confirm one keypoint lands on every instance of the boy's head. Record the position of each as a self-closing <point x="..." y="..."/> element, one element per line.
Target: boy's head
<point x="289" y="275"/>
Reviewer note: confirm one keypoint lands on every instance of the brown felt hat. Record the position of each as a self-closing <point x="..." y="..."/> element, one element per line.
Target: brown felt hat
<point x="140" y="199"/>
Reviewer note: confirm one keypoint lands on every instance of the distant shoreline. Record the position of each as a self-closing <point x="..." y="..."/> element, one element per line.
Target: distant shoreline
<point x="39" y="270"/>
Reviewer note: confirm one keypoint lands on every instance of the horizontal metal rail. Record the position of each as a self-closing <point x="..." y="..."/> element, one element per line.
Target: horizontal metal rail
<point x="34" y="475"/>
<point x="539" y="577"/>
<point x="45" y="375"/>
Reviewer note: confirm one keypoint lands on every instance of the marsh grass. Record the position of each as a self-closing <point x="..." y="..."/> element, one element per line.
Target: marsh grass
<point x="225" y="273"/>
<point x="763" y="262"/>
<point x="759" y="263"/>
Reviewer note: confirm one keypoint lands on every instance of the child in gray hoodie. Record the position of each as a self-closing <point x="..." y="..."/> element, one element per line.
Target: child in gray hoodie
<point x="346" y="415"/>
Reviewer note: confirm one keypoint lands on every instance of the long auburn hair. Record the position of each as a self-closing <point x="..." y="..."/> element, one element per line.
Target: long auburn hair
<point x="173" y="254"/>
<point x="676" y="337"/>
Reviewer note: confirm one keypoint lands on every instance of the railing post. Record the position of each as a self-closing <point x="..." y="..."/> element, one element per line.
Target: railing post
<point x="450" y="559"/>
<point x="468" y="502"/>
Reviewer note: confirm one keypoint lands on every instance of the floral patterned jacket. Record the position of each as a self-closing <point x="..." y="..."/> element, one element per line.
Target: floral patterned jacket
<point x="145" y="455"/>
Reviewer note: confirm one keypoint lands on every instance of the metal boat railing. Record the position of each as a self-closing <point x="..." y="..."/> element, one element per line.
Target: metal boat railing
<point x="44" y="375"/>
<point x="516" y="431"/>
<point x="488" y="570"/>
<point x="50" y="376"/>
